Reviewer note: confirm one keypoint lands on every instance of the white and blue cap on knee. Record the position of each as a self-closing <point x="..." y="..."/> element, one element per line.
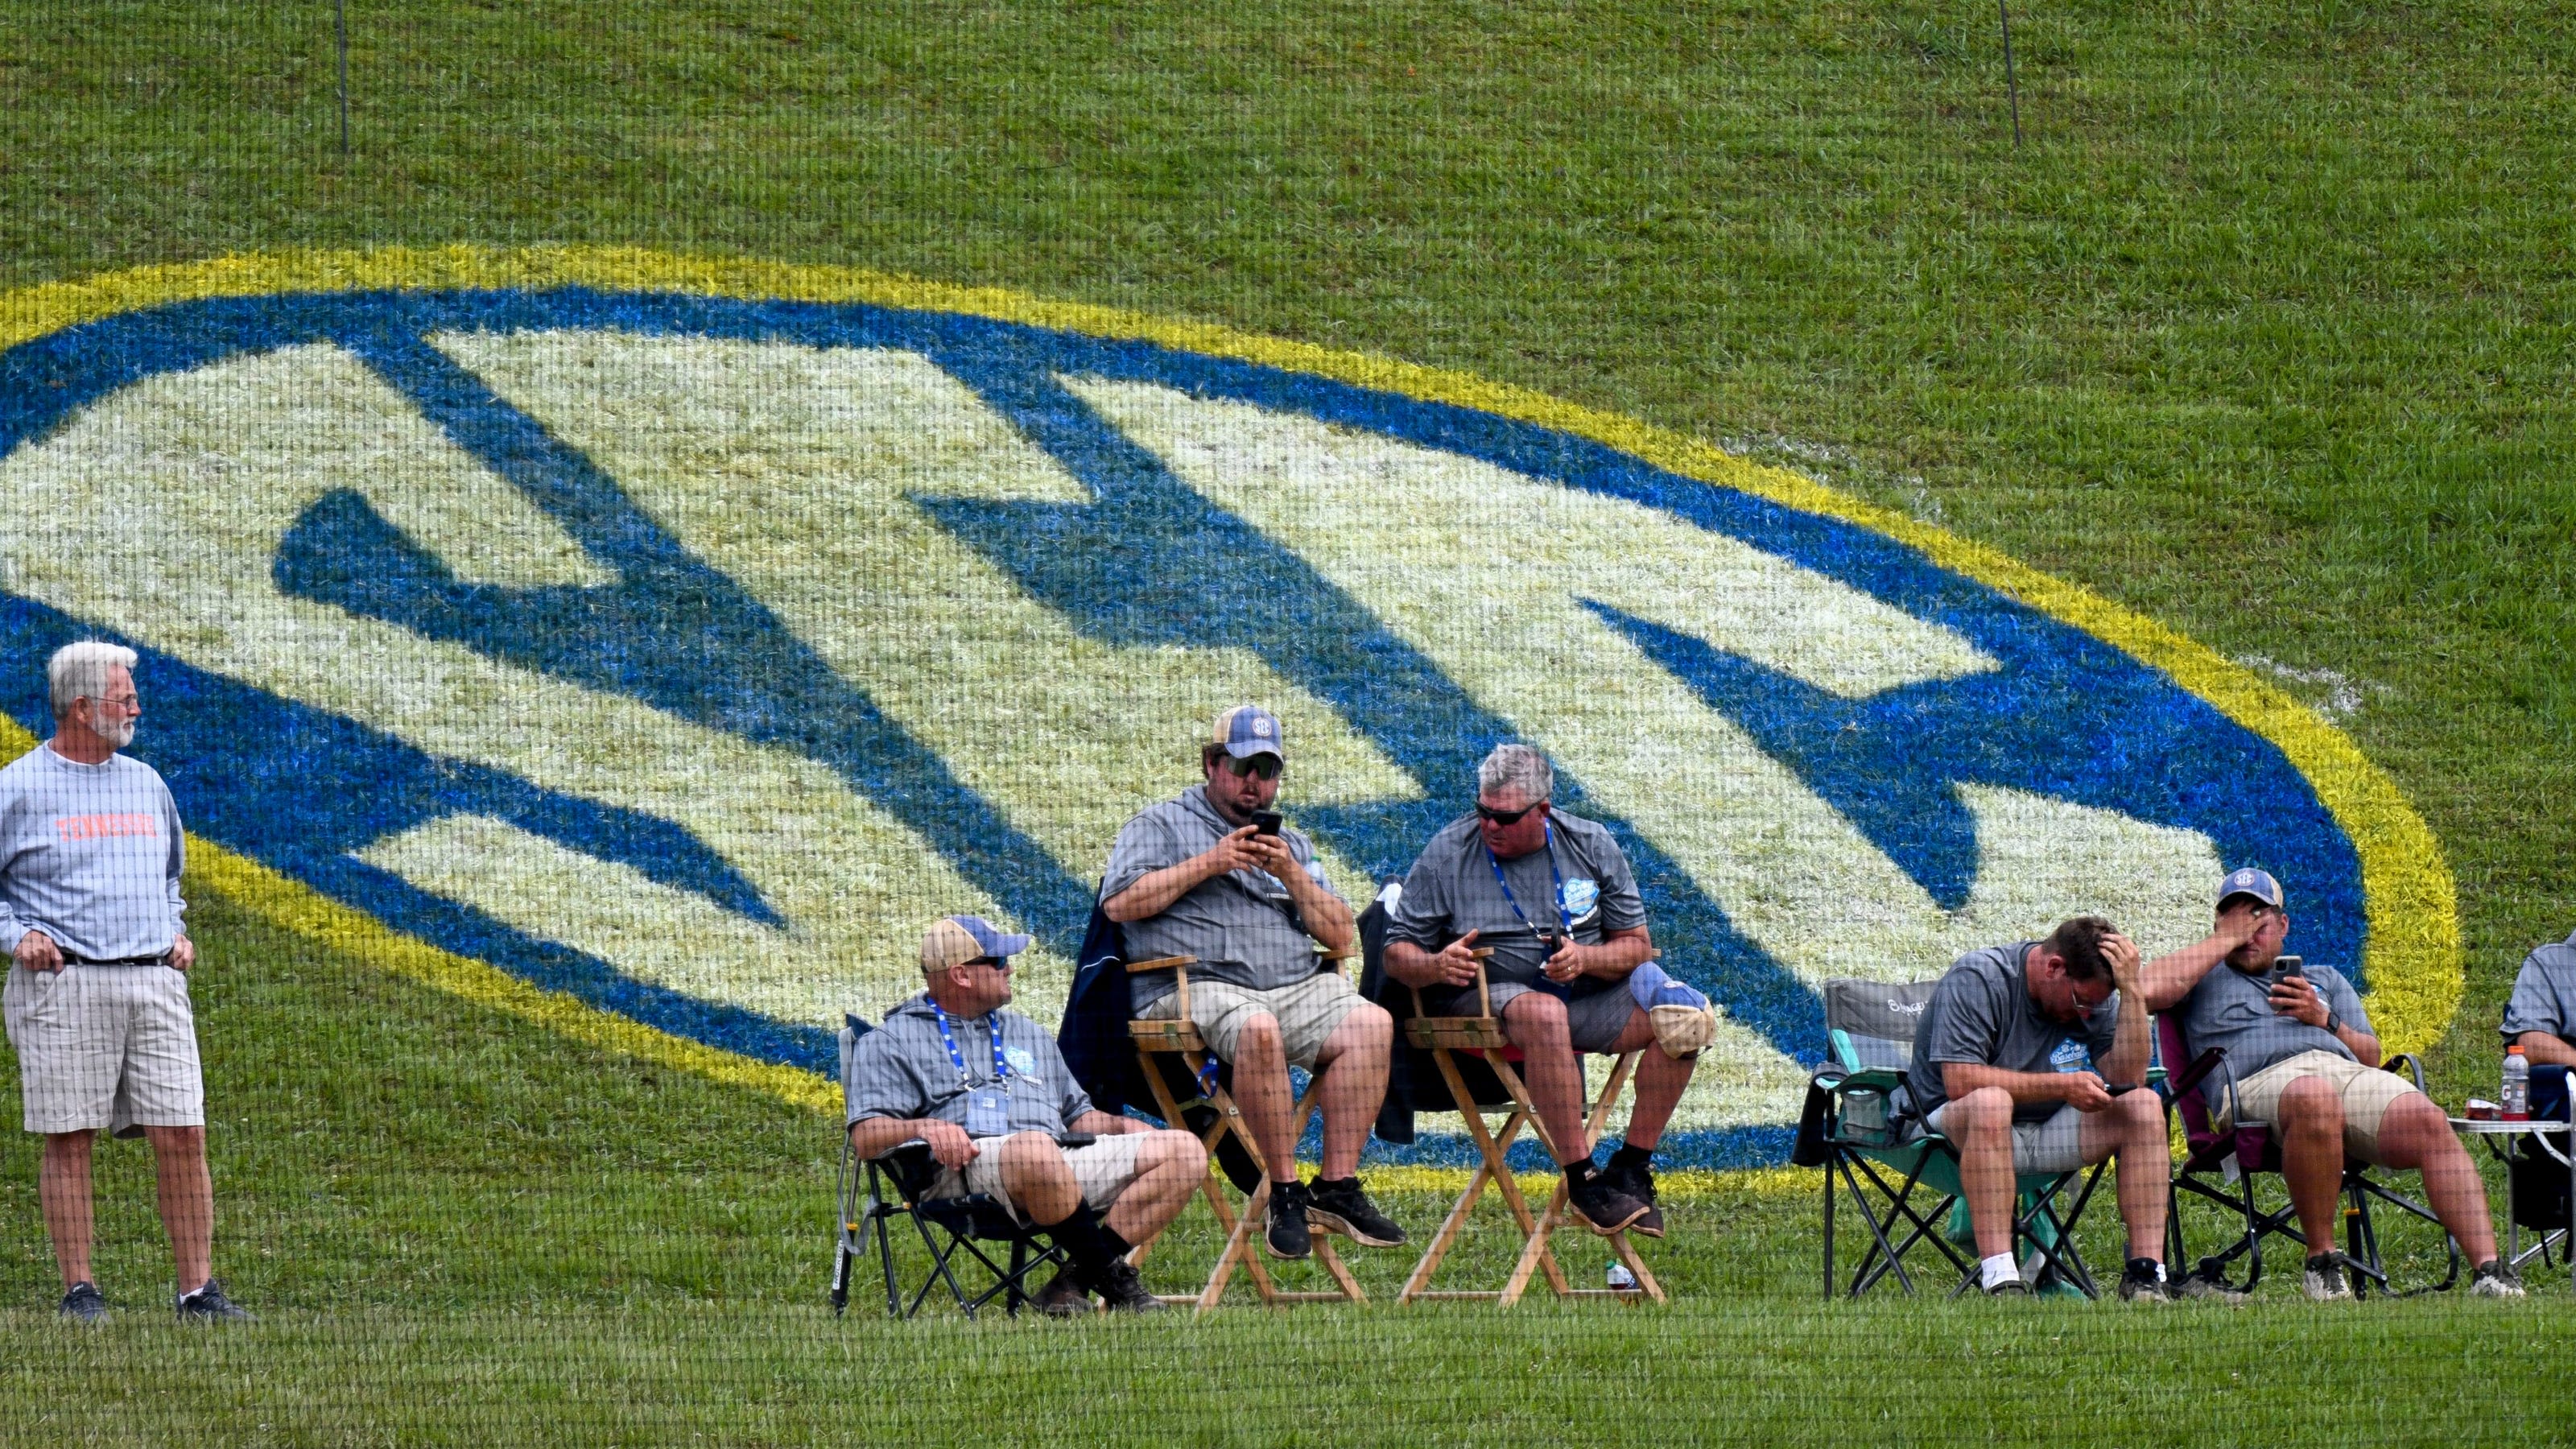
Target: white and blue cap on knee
<point x="2250" y="882"/>
<point x="957" y="940"/>
<point x="1248" y="730"/>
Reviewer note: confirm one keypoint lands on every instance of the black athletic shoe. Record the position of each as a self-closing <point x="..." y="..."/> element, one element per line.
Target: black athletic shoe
<point x="2494" y="1280"/>
<point x="1124" y="1292"/>
<point x="85" y="1303"/>
<point x="1341" y="1207"/>
<point x="209" y="1305"/>
<point x="2011" y="1287"/>
<point x="1287" y="1235"/>
<point x="2143" y="1281"/>
<point x="1603" y="1208"/>
<point x="1637" y="1182"/>
<point x="1063" y="1296"/>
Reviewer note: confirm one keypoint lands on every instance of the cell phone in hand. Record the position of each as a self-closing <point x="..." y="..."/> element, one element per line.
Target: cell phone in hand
<point x="1265" y="822"/>
<point x="2285" y="967"/>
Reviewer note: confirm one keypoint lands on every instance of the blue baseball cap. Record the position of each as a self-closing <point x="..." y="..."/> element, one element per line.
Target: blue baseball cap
<point x="1247" y="730"/>
<point x="957" y="940"/>
<point x="2251" y="882"/>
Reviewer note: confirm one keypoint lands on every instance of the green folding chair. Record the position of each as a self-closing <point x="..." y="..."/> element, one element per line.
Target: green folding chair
<point x="1901" y="1178"/>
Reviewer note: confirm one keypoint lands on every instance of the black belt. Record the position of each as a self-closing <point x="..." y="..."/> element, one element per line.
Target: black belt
<point x="161" y="960"/>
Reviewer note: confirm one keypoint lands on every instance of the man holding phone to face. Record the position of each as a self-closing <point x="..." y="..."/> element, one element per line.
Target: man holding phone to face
<point x="2305" y="1061"/>
<point x="1214" y="874"/>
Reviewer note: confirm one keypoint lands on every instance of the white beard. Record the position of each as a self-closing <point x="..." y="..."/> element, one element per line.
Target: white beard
<point x="117" y="735"/>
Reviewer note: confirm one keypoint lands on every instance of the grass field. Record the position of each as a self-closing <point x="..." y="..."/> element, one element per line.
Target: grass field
<point x="2264" y="332"/>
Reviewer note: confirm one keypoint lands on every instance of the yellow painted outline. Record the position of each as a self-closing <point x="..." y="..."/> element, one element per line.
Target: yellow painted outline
<point x="2414" y="933"/>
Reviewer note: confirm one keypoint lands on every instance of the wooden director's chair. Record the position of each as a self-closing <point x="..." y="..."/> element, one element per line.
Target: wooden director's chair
<point x="1482" y="1035"/>
<point x="1178" y="1037"/>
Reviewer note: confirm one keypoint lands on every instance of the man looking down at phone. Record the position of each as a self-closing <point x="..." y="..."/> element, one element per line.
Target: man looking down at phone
<point x="2305" y="1062"/>
<point x="986" y="1088"/>
<point x="1215" y="875"/>
<point x="1551" y="896"/>
<point x="2028" y="1060"/>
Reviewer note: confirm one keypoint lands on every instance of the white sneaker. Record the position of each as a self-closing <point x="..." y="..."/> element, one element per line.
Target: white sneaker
<point x="2494" y="1280"/>
<point x="2327" y="1279"/>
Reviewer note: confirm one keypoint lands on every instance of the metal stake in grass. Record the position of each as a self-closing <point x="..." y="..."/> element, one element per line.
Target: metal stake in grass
<point x="2012" y="84"/>
<point x="340" y="22"/>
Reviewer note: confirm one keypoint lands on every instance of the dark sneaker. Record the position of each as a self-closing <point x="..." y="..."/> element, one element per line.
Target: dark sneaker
<point x="1287" y="1235"/>
<point x="85" y="1303"/>
<point x="1341" y="1207"/>
<point x="1603" y="1208"/>
<point x="1124" y="1292"/>
<point x="2205" y="1288"/>
<point x="1063" y="1296"/>
<point x="2144" y="1282"/>
<point x="2009" y="1288"/>
<point x="2326" y="1279"/>
<point x="209" y="1305"/>
<point x="2492" y="1280"/>
<point x="1638" y="1182"/>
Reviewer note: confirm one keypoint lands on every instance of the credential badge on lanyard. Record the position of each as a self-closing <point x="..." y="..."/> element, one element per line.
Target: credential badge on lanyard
<point x="988" y="1108"/>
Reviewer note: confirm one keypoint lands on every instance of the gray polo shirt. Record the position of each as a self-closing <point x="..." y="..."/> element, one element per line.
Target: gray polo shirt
<point x="1981" y="1013"/>
<point x="1243" y="926"/>
<point x="902" y="1069"/>
<point x="2234" y="1010"/>
<point x="1451" y="890"/>
<point x="2544" y="994"/>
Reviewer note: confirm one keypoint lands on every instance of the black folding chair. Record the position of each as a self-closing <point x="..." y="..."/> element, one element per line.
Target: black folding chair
<point x="1854" y="1129"/>
<point x="897" y="1185"/>
<point x="2222" y="1168"/>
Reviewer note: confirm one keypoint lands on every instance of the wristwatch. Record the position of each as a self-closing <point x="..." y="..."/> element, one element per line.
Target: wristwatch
<point x="2334" y="1022"/>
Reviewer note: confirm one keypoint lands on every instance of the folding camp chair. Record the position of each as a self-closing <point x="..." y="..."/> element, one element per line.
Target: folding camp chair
<point x="1490" y="1056"/>
<point x="1857" y="1131"/>
<point x="949" y="1226"/>
<point x="1178" y="1037"/>
<point x="2234" y="1159"/>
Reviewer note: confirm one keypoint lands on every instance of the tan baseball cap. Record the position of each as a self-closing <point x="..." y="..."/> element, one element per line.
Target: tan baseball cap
<point x="956" y="940"/>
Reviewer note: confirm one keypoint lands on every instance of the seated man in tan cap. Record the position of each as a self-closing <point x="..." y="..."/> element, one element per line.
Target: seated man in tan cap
<point x="1214" y="875"/>
<point x="986" y="1088"/>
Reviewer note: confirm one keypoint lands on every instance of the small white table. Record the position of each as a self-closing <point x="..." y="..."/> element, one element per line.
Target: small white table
<point x="2494" y="1131"/>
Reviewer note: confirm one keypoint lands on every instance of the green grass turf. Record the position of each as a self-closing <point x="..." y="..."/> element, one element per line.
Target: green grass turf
<point x="2263" y="332"/>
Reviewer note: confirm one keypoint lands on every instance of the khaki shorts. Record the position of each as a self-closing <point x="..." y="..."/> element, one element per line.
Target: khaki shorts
<point x="105" y="1046"/>
<point x="1103" y="1169"/>
<point x="2055" y="1143"/>
<point x="1308" y="1013"/>
<point x="2367" y="1095"/>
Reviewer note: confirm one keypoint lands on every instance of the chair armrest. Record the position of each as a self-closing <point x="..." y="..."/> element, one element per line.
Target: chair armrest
<point x="1881" y="1079"/>
<point x="2414" y="1069"/>
<point x="2199" y="1067"/>
<point x="1179" y="966"/>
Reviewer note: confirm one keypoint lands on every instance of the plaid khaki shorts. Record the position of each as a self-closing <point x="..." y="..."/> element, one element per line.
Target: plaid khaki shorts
<point x="1308" y="1013"/>
<point x="110" y="1047"/>
<point x="1103" y="1169"/>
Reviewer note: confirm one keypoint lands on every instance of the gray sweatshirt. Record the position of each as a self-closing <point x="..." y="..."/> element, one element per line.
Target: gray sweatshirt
<point x="89" y="855"/>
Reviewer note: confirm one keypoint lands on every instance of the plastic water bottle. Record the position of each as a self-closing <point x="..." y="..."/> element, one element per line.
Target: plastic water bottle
<point x="1621" y="1280"/>
<point x="2517" y="1086"/>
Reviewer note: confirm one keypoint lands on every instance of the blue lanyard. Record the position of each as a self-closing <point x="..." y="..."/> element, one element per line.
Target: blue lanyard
<point x="1001" y="1069"/>
<point x="1561" y="918"/>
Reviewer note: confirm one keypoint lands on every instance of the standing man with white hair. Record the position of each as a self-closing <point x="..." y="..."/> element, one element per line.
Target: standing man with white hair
<point x="1552" y="896"/>
<point x="97" y="1002"/>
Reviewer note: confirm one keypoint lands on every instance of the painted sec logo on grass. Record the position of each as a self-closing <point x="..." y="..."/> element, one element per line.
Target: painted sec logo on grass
<point x="682" y="638"/>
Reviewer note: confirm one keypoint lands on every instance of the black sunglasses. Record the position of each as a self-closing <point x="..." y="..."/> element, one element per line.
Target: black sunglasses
<point x="1264" y="767"/>
<point x="1504" y="817"/>
<point x="998" y="963"/>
